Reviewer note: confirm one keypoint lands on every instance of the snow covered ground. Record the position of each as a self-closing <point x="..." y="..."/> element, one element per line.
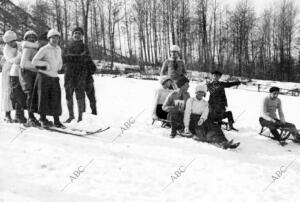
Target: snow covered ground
<point x="39" y="166"/>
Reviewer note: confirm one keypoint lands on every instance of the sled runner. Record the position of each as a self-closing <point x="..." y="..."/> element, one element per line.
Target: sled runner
<point x="164" y="123"/>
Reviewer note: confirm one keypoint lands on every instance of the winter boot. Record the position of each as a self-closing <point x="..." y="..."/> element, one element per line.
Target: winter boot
<point x="93" y="108"/>
<point x="57" y="123"/>
<point x="71" y="113"/>
<point x="231" y="126"/>
<point x="20" y="118"/>
<point x="7" y="117"/>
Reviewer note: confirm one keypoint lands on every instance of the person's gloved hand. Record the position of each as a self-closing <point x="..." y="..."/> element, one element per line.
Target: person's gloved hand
<point x="200" y="122"/>
<point x="41" y="67"/>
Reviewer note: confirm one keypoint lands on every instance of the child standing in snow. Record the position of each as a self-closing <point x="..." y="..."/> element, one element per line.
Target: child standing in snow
<point x="269" y="118"/>
<point x="175" y="105"/>
<point x="160" y="97"/>
<point x="28" y="71"/>
<point x="47" y="92"/>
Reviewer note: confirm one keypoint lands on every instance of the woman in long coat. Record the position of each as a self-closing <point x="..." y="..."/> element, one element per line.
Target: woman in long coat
<point x="9" y="38"/>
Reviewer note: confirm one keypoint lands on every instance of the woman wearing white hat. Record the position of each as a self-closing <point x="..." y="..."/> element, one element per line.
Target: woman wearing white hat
<point x="10" y="55"/>
<point x="174" y="67"/>
<point x="47" y="93"/>
<point x="196" y="122"/>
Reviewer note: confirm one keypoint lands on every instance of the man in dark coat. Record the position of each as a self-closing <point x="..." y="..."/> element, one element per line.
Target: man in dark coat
<point x="76" y="72"/>
<point x="218" y="101"/>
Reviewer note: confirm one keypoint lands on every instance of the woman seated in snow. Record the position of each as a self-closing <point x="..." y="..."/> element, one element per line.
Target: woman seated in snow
<point x="160" y="97"/>
<point x="196" y="122"/>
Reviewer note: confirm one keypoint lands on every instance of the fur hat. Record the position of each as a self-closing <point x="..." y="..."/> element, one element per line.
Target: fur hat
<point x="183" y="80"/>
<point x="30" y="32"/>
<point x="164" y="79"/>
<point x="52" y="32"/>
<point x="175" y="48"/>
<point x="202" y="88"/>
<point x="9" y="36"/>
<point x="274" y="89"/>
<point x="77" y="29"/>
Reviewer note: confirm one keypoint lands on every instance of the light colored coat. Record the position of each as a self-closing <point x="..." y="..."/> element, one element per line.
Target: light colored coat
<point x="29" y="49"/>
<point x="50" y="57"/>
<point x="10" y="55"/>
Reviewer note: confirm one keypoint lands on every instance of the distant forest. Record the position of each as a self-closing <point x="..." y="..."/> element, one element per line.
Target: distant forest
<point x="211" y="34"/>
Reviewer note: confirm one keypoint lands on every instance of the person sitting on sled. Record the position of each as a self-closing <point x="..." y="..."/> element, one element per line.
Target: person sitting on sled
<point x="269" y="118"/>
<point x="217" y="99"/>
<point x="196" y="122"/>
<point x="160" y="97"/>
<point x="175" y="105"/>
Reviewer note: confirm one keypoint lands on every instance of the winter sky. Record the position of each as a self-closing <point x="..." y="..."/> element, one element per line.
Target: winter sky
<point x="258" y="4"/>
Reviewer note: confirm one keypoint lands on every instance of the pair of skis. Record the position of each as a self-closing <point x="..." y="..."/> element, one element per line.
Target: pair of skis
<point x="72" y="131"/>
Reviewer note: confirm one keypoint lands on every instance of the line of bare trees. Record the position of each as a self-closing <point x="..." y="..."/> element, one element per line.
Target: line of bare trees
<point x="212" y="35"/>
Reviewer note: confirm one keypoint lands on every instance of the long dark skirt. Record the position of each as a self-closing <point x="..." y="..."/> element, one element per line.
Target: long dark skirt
<point x="208" y="131"/>
<point x="46" y="96"/>
<point x="17" y="95"/>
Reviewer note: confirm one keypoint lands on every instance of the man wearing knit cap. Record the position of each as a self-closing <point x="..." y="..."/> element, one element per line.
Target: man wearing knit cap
<point x="174" y="67"/>
<point x="269" y="118"/>
<point x="77" y="71"/>
<point x="46" y="94"/>
<point x="175" y="105"/>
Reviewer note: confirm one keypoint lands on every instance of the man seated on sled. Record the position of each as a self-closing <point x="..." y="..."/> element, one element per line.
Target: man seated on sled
<point x="196" y="122"/>
<point x="159" y="99"/>
<point x="175" y="104"/>
<point x="269" y="118"/>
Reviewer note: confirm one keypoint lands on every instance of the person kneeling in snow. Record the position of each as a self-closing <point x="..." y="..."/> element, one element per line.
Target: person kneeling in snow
<point x="196" y="122"/>
<point x="269" y="118"/>
<point x="160" y="97"/>
<point x="47" y="94"/>
<point x="175" y="105"/>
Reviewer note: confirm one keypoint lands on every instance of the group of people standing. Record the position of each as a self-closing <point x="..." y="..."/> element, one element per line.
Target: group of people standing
<point x="197" y="118"/>
<point x="30" y="77"/>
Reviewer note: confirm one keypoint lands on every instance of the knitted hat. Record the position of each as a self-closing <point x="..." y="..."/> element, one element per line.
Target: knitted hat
<point x="202" y="88"/>
<point x="30" y="32"/>
<point x="164" y="79"/>
<point x="175" y="48"/>
<point x="217" y="73"/>
<point x="9" y="36"/>
<point x="77" y="29"/>
<point x="274" y="89"/>
<point x="182" y="81"/>
<point x="52" y="32"/>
